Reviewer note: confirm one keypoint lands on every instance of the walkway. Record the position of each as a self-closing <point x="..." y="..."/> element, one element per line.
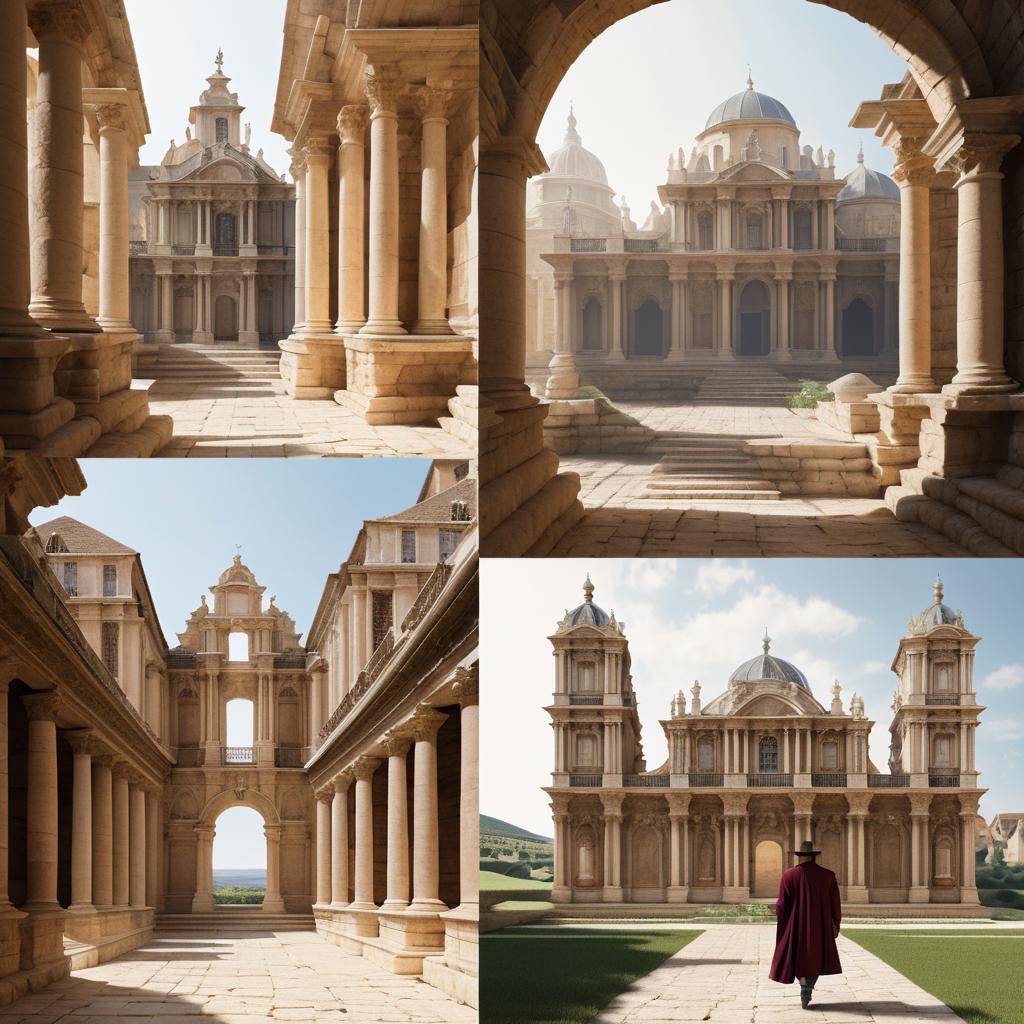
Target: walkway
<point x="623" y="519"/>
<point x="243" y="979"/>
<point x="722" y="976"/>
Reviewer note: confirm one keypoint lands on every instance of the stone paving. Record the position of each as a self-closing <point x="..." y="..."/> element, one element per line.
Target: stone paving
<point x="276" y="426"/>
<point x="722" y="976"/>
<point x="242" y="979"/>
<point x="619" y="523"/>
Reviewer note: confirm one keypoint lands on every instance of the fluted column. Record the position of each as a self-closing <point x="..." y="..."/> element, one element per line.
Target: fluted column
<point x="273" y="903"/>
<point x="58" y="177"/>
<point x="397" y="747"/>
<point x="41" y="811"/>
<point x="137" y="845"/>
<point x="298" y="170"/>
<point x="81" y="745"/>
<point x="317" y="155"/>
<point x="467" y="693"/>
<point x="352" y="120"/>
<point x="114" y="291"/>
<point x="914" y="174"/>
<point x="382" y="91"/>
<point x="783" y="338"/>
<point x="425" y="725"/>
<point x="339" y="841"/>
<point x="102" y="831"/>
<point x="363" y="771"/>
<point x="121" y="814"/>
<point x="323" y="846"/>
<point x="432" y="103"/>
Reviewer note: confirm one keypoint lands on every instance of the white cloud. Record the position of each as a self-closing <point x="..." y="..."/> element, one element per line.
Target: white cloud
<point x="718" y="577"/>
<point x="874" y="668"/>
<point x="821" y="673"/>
<point x="1003" y="730"/>
<point x="1004" y="678"/>
<point x="649" y="573"/>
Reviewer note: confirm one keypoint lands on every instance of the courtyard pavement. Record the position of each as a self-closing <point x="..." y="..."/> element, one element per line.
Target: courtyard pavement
<point x="620" y="523"/>
<point x="722" y="976"/>
<point x="242" y="979"/>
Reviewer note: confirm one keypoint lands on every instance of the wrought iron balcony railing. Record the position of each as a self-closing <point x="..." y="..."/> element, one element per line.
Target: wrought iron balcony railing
<point x="585" y="780"/>
<point x="646" y="781"/>
<point x="225" y="249"/>
<point x="769" y="779"/>
<point x="588" y="244"/>
<point x="183" y="250"/>
<point x="829" y="780"/>
<point x="585" y="698"/>
<point x="705" y="780"/>
<point x="943" y="779"/>
<point x="942" y="699"/>
<point x="897" y="781"/>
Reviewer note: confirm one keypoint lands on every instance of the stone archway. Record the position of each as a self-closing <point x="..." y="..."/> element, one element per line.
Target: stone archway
<point x="768" y="867"/>
<point x="858" y="329"/>
<point x="205" y="830"/>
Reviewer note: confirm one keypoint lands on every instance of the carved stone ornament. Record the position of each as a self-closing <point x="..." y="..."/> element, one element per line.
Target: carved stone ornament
<point x="352" y="121"/>
<point x="433" y="100"/>
<point x="382" y="89"/>
<point x="111" y="116"/>
<point x="467" y="685"/>
<point x="66" y="20"/>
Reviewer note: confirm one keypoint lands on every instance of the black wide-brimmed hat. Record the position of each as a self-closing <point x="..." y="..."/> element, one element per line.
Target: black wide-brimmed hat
<point x="806" y="850"/>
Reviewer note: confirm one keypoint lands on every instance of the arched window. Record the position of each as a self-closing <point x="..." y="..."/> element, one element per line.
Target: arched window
<point x="587" y="677"/>
<point x="239" y="718"/>
<point x="705" y="755"/>
<point x="858" y="329"/>
<point x="768" y="754"/>
<point x="649" y="330"/>
<point x="755" y="231"/>
<point x="222" y="129"/>
<point x="802" y="229"/>
<point x="593" y="338"/>
<point x="943" y="677"/>
<point x="705" y="231"/>
<point x="238" y="647"/>
<point x="754" y="328"/>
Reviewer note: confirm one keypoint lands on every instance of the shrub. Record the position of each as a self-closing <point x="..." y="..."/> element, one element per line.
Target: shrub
<point x="1010" y="898"/>
<point x="809" y="395"/>
<point x="238" y="894"/>
<point x="520" y="870"/>
<point x="524" y="855"/>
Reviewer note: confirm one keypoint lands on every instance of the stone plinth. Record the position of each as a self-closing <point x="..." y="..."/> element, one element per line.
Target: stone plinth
<point x="593" y="425"/>
<point x="456" y="973"/>
<point x="312" y="366"/>
<point x="851" y="417"/>
<point x="404" y="940"/>
<point x="108" y="931"/>
<point x="816" y="467"/>
<point x="404" y="380"/>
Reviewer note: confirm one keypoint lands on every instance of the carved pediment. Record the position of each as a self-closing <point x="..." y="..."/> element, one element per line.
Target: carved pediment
<point x="768" y="707"/>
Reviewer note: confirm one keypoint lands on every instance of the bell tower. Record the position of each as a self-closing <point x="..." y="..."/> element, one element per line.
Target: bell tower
<point x="217" y="116"/>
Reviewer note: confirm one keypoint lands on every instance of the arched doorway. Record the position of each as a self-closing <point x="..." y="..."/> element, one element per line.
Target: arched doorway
<point x="206" y="831"/>
<point x="225" y="319"/>
<point x="648" y="330"/>
<point x="239" y="858"/>
<point x="858" y="329"/>
<point x="593" y="333"/>
<point x="768" y="861"/>
<point x="754" y="335"/>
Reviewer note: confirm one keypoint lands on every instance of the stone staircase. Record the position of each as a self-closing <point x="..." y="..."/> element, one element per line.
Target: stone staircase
<point x="707" y="467"/>
<point x="214" y="371"/>
<point x="465" y="410"/>
<point x="744" y="385"/>
<point x="234" y="919"/>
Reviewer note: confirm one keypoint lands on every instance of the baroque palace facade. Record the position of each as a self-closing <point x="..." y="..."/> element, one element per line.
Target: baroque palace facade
<point x="758" y="769"/>
<point x="213" y="234"/>
<point x="758" y="251"/>
<point x="116" y="763"/>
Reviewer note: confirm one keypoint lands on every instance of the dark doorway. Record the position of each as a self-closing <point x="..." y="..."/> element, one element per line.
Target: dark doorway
<point x="648" y="330"/>
<point x="593" y="334"/>
<point x="754" y="337"/>
<point x="858" y="329"/>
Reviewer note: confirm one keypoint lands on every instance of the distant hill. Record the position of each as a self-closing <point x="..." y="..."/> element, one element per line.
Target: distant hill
<point x="242" y="878"/>
<point x="496" y="827"/>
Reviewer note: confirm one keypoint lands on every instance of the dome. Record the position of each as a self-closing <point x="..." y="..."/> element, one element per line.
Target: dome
<point x="588" y="613"/>
<point x="573" y="161"/>
<point x="864" y="183"/>
<point x="938" y="614"/>
<point x="767" y="666"/>
<point x="749" y="106"/>
<point x="237" y="572"/>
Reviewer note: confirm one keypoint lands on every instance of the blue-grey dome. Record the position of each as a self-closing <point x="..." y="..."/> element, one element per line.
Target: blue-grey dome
<point x="938" y="614"/>
<point x="588" y="613"/>
<point x="748" y="106"/>
<point x="767" y="666"/>
<point x="864" y="183"/>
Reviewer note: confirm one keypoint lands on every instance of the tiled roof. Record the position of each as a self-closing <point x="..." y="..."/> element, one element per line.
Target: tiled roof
<point x="81" y="539"/>
<point x="438" y="508"/>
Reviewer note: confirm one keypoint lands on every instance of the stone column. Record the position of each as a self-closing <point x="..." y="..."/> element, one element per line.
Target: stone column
<point x="968" y="881"/>
<point x="41" y="817"/>
<point x="564" y="380"/>
<point x="363" y="771"/>
<point x="81" y="821"/>
<point x="914" y="174"/>
<point x="8" y="668"/>
<point x="678" y="316"/>
<point x="424" y="727"/>
<point x="784" y="336"/>
<point x="273" y="903"/>
<point x="467" y="693"/>
<point x="137" y="846"/>
<point x="397" y="747"/>
<point x="382" y="91"/>
<point x="339" y="841"/>
<point x="298" y="171"/>
<point x="58" y="178"/>
<point x="560" y="890"/>
<point x="202" y="902"/>
<point x="102" y="831"/>
<point x="725" y="343"/>
<point x="617" y="278"/>
<point x="980" y="331"/>
<point x="154" y="842"/>
<point x="323" y="846"/>
<point x="919" y="873"/>
<point x="120" y="830"/>
<point x="114" y="292"/>
<point x="317" y="154"/>
<point x="165" y="331"/>
<point x="432" y="103"/>
<point x="352" y="121"/>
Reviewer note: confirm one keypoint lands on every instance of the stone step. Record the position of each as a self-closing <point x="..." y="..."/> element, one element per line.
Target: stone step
<point x="703" y="483"/>
<point x="714" y="495"/>
<point x="910" y="506"/>
<point x="230" y="919"/>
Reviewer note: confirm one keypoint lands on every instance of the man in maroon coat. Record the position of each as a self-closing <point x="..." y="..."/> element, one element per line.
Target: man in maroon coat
<point x="809" y="914"/>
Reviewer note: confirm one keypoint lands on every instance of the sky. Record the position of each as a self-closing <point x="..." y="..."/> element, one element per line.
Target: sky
<point x="647" y="85"/>
<point x="295" y="519"/>
<point x="176" y="54"/>
<point x="835" y="619"/>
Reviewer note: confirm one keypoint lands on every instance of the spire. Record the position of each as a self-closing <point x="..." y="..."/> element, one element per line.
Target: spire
<point x="860" y="153"/>
<point x="937" y="590"/>
<point x="572" y="137"/>
<point x="750" y="80"/>
<point x="767" y="641"/>
<point x="588" y="590"/>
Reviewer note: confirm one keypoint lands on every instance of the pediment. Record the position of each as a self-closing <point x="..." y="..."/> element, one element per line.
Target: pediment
<point x="752" y="171"/>
<point x="768" y="707"/>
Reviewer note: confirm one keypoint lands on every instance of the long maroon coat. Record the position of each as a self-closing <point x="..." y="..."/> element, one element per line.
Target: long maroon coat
<point x="808" y="910"/>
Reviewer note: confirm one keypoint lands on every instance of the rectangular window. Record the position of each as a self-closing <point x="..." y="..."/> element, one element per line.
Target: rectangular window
<point x="110" y="645"/>
<point x="381" y="615"/>
<point x="71" y="579"/>
<point x="408" y="545"/>
<point x="754" y="234"/>
<point x="110" y="581"/>
<point x="446" y="543"/>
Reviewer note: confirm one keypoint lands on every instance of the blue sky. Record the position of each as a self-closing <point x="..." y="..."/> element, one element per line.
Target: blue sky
<point x="646" y="85"/>
<point x="699" y="619"/>
<point x="175" y="55"/>
<point x="296" y="520"/>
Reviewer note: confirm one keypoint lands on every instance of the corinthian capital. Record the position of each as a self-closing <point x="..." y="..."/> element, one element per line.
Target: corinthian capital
<point x="65" y="20"/>
<point x="433" y="99"/>
<point x="352" y="123"/>
<point x="912" y="167"/>
<point x="41" y="707"/>
<point x="382" y="89"/>
<point x="981" y="153"/>
<point x="111" y="116"/>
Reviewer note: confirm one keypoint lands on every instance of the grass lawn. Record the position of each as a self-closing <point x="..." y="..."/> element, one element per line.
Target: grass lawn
<point x="975" y="972"/>
<point x="565" y="975"/>
<point x="491" y="880"/>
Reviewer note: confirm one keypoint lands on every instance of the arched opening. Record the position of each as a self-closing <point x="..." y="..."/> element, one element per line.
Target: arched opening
<point x="239" y="857"/>
<point x="754" y="336"/>
<point x="184" y="323"/>
<point x="225" y="319"/>
<point x="239" y="723"/>
<point x="593" y="339"/>
<point x="222" y="129"/>
<point x="858" y="329"/>
<point x="768" y="861"/>
<point x="238" y="646"/>
<point x="648" y="330"/>
<point x="225" y="235"/>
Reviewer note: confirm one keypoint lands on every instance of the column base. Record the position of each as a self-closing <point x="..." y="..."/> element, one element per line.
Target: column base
<point x="969" y="894"/>
<point x="918" y="894"/>
<point x="913" y="386"/>
<point x="385" y="327"/>
<point x="164" y="337"/>
<point x="362" y="919"/>
<point x="248" y="338"/>
<point x="42" y="934"/>
<point x="562" y="894"/>
<point x="856" y="894"/>
<point x="203" y="338"/>
<point x="203" y="903"/>
<point x="611" y="894"/>
<point x="432" y="327"/>
<point x="990" y="386"/>
<point x="564" y="380"/>
<point x="273" y="904"/>
<point x="427" y="906"/>
<point x="735" y="894"/>
<point x="61" y="318"/>
<point x="678" y="894"/>
<point x="312" y="366"/>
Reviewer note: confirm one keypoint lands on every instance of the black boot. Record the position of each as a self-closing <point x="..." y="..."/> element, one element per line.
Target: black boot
<point x="806" y="989"/>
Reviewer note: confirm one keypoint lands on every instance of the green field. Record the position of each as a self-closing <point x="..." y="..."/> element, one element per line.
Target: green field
<point x="565" y="975"/>
<point x="975" y="972"/>
<point x="491" y="880"/>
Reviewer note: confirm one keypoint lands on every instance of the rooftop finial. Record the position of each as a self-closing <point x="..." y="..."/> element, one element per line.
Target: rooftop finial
<point x="588" y="590"/>
<point x="238" y="554"/>
<point x="750" y="80"/>
<point x="219" y="59"/>
<point x="767" y="641"/>
<point x="937" y="589"/>
<point x="860" y="153"/>
<point x="571" y="135"/>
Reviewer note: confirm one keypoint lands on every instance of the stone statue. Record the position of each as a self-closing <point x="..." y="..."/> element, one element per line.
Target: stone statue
<point x="831" y="158"/>
<point x="695" y="690"/>
<point x="837" y="700"/>
<point x="188" y="134"/>
<point x="248" y="135"/>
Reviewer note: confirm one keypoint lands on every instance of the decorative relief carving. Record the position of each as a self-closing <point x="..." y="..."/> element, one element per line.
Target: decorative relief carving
<point x="352" y="121"/>
<point x="382" y="88"/>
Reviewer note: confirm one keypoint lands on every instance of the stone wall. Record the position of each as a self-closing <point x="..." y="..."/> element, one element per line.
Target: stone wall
<point x="593" y="425"/>
<point x="819" y="467"/>
<point x="943" y="267"/>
